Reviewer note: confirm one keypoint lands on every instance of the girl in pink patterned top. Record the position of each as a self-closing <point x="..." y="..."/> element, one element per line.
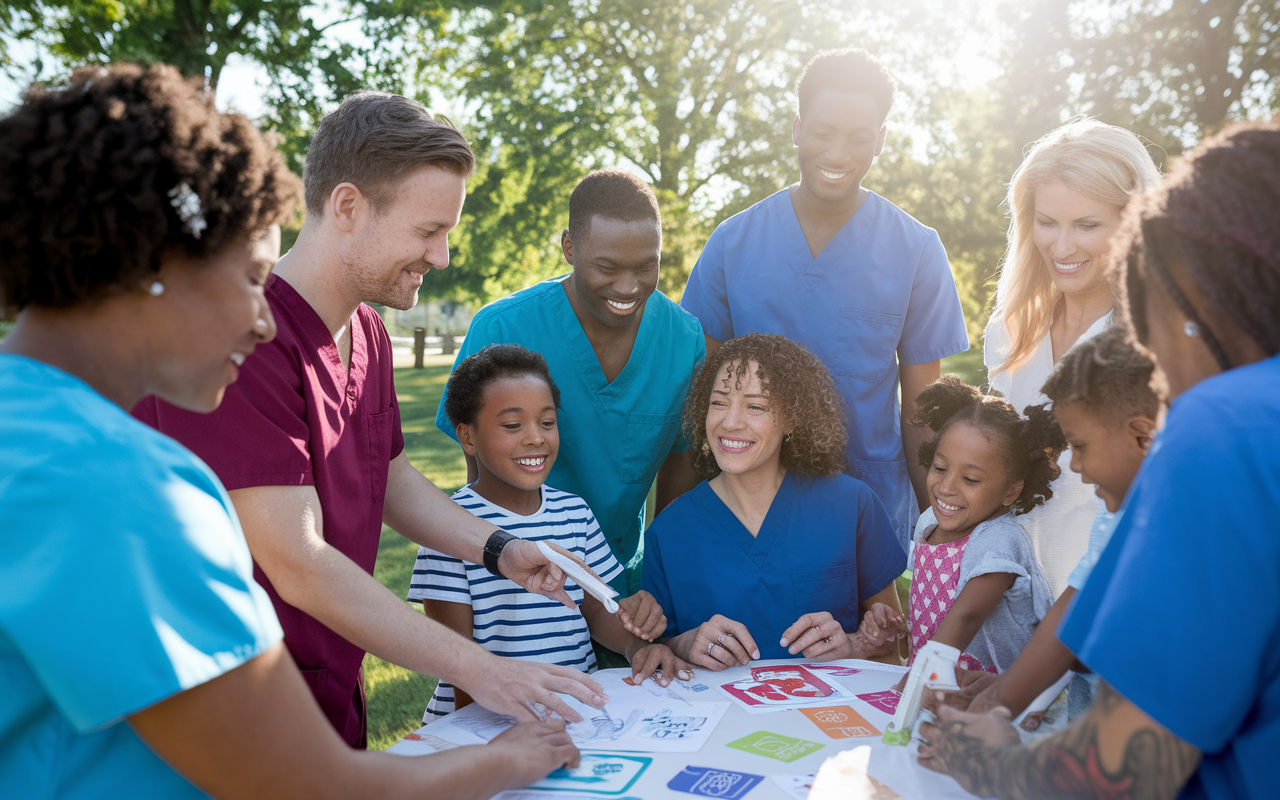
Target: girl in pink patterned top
<point x="976" y="584"/>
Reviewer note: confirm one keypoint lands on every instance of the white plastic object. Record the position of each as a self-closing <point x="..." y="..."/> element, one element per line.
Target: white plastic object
<point x="589" y="583"/>
<point x="1046" y="698"/>
<point x="934" y="668"/>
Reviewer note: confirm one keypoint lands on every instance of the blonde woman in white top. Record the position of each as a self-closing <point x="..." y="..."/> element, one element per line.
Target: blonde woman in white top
<point x="1065" y="202"/>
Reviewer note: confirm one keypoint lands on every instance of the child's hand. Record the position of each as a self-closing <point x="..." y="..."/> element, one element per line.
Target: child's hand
<point x="881" y="625"/>
<point x="641" y="615"/>
<point x="658" y="660"/>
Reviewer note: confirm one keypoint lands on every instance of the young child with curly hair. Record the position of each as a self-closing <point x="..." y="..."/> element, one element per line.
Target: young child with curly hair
<point x="503" y="404"/>
<point x="776" y="538"/>
<point x="976" y="584"/>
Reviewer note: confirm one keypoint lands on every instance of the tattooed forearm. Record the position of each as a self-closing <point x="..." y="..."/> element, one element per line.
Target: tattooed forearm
<point x="1155" y="765"/>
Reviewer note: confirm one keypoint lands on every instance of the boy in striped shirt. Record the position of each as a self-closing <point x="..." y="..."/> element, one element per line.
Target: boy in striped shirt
<point x="503" y="405"/>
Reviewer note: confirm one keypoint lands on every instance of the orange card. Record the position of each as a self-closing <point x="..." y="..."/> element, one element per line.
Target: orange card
<point x="840" y="722"/>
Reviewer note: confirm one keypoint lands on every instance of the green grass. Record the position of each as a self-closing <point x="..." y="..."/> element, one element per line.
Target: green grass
<point x="968" y="365"/>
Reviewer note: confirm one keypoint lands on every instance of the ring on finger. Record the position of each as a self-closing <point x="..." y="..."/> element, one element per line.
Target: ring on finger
<point x="709" y="646"/>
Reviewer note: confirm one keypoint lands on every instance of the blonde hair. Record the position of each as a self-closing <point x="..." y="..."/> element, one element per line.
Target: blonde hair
<point x="1097" y="160"/>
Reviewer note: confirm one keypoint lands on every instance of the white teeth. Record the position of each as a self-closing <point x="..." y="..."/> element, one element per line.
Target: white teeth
<point x="237" y="359"/>
<point x="1069" y="267"/>
<point x="621" y="306"/>
<point x="835" y="176"/>
<point x="733" y="444"/>
<point x="531" y="462"/>
<point x="946" y="507"/>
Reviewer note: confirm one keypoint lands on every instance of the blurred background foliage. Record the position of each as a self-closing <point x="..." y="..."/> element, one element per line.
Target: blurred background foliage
<point x="697" y="95"/>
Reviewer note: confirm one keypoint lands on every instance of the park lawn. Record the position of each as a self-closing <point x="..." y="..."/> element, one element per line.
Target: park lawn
<point x="397" y="697"/>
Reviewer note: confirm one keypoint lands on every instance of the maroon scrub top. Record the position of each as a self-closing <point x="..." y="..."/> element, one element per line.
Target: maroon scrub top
<point x="296" y="418"/>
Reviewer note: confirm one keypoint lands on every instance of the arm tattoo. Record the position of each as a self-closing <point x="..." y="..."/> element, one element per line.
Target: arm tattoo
<point x="1068" y="765"/>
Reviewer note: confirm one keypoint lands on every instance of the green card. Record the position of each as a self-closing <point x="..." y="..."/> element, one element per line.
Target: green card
<point x="774" y="745"/>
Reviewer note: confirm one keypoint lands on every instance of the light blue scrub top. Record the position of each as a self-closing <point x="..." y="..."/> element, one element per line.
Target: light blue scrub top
<point x="1196" y="554"/>
<point x="880" y="294"/>
<point x="613" y="436"/>
<point x="124" y="580"/>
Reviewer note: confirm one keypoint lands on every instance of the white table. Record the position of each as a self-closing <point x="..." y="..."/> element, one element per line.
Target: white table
<point x="894" y="766"/>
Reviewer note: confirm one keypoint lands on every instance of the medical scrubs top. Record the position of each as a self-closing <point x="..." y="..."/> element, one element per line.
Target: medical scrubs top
<point x="613" y="436"/>
<point x="880" y="294"/>
<point x="825" y="545"/>
<point x="296" y="417"/>
<point x="124" y="580"/>
<point x="1195" y="554"/>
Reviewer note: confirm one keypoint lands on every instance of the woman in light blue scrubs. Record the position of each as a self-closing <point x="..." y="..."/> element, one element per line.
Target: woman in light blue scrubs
<point x="778" y="553"/>
<point x="137" y="654"/>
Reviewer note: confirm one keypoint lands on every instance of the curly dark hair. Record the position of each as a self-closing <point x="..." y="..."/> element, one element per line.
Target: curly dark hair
<point x="1032" y="443"/>
<point x="95" y="173"/>
<point x="464" y="394"/>
<point x="1211" y="222"/>
<point x="802" y="393"/>
<point x="1110" y="374"/>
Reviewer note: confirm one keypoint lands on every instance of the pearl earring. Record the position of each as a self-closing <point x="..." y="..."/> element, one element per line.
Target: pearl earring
<point x="156" y="288"/>
<point x="260" y="325"/>
<point x="1191" y="329"/>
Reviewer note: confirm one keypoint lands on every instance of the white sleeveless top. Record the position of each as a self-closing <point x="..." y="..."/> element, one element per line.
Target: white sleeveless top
<point x="1059" y="529"/>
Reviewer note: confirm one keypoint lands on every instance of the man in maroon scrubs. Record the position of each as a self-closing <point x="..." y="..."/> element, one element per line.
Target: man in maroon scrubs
<point x="308" y="439"/>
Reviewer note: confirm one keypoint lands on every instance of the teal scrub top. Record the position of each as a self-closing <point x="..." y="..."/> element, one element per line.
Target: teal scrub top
<point x="124" y="580"/>
<point x="880" y="294"/>
<point x="613" y="436"/>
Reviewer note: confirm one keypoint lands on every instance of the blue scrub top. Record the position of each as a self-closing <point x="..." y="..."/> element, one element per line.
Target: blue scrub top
<point x="1196" y="558"/>
<point x="825" y="545"/>
<point x="881" y="293"/>
<point x="125" y="580"/>
<point x="613" y="436"/>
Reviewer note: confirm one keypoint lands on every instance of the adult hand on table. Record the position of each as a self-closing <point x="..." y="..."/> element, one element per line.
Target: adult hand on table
<point x="986" y="696"/>
<point x="818" y="636"/>
<point x="658" y="660"/>
<point x="715" y="644"/>
<point x="534" y="749"/>
<point x="963" y="745"/>
<point x="508" y="686"/>
<point x="641" y="615"/>
<point x="973" y="683"/>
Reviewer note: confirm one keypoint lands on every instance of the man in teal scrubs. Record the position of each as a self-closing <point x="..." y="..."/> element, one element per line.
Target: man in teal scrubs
<point x="622" y="354"/>
<point x="846" y="273"/>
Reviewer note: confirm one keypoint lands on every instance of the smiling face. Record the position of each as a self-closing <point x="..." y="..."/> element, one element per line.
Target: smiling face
<point x="968" y="482"/>
<point x="396" y="245"/>
<point x="838" y="137"/>
<point x="1106" y="455"/>
<point x="209" y="319"/>
<point x="743" y="430"/>
<point x="615" y="269"/>
<point x="1072" y="231"/>
<point x="514" y="441"/>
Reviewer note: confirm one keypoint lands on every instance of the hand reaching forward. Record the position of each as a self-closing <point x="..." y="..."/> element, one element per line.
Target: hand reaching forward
<point x="523" y="563"/>
<point x="658" y="660"/>
<point x="534" y="749"/>
<point x="964" y="745"/>
<point x="715" y="644"/>
<point x="508" y="686"/>
<point x="641" y="615"/>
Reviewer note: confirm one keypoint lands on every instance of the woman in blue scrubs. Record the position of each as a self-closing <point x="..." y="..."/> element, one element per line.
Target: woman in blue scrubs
<point x="777" y="553"/>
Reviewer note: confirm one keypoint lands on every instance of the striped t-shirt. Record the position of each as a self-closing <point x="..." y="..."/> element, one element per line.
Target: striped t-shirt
<point x="506" y="618"/>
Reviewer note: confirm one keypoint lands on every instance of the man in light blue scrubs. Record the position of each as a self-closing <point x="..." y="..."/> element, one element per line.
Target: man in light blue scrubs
<point x="844" y="272"/>
<point x="622" y="354"/>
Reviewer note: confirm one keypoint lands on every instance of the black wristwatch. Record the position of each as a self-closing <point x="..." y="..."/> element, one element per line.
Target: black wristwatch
<point x="493" y="549"/>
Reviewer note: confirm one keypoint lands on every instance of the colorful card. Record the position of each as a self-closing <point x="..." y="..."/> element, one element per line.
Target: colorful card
<point x="840" y="722"/>
<point x="600" y="773"/>
<point x="886" y="701"/>
<point x="783" y="686"/>
<point x="713" y="782"/>
<point x="775" y="745"/>
<point x="834" y="670"/>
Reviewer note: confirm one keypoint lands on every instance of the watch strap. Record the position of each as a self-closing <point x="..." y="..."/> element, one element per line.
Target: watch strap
<point x="493" y="549"/>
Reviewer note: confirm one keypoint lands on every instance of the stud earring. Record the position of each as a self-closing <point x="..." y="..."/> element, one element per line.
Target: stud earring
<point x="706" y="447"/>
<point x="156" y="288"/>
<point x="1191" y="329"/>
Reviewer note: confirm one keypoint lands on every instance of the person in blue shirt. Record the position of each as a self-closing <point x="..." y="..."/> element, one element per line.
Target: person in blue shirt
<point x="1194" y="558"/>
<point x="622" y="354"/>
<point x="137" y="654"/>
<point x="778" y="553"/>
<point x="846" y="273"/>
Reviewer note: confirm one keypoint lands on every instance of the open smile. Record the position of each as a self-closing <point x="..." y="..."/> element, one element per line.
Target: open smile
<point x="946" y="509"/>
<point x="531" y="463"/>
<point x="1067" y="269"/>
<point x="735" y="445"/>
<point x="622" y="306"/>
<point x="832" y="176"/>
